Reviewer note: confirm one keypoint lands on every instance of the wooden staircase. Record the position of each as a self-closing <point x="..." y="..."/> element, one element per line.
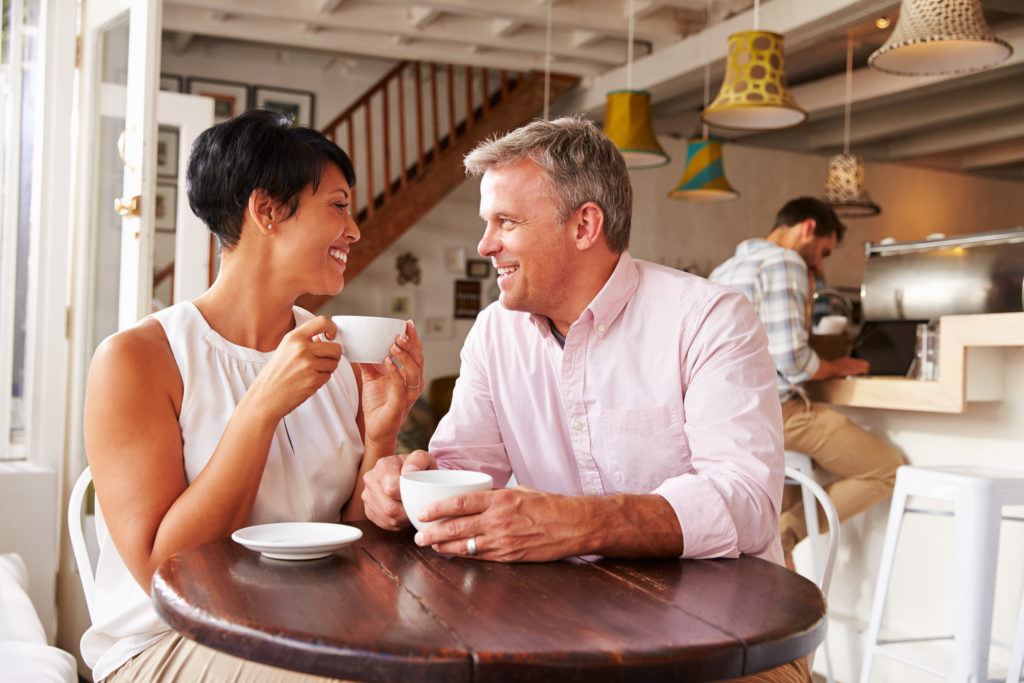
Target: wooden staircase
<point x="417" y="165"/>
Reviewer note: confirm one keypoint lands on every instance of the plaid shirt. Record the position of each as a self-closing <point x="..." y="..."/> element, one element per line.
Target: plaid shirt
<point x="775" y="280"/>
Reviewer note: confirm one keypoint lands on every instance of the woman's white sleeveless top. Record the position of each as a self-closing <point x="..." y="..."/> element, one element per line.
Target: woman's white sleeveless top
<point x="310" y="472"/>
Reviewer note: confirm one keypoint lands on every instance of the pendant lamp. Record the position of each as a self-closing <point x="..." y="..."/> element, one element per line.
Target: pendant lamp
<point x="940" y="37"/>
<point x="754" y="94"/>
<point x="703" y="179"/>
<point x="845" y="191"/>
<point x="627" y="119"/>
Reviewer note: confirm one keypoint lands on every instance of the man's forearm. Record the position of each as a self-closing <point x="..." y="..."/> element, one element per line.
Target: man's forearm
<point x="630" y="526"/>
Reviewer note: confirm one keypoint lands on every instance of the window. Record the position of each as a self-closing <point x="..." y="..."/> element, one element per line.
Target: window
<point x="20" y="79"/>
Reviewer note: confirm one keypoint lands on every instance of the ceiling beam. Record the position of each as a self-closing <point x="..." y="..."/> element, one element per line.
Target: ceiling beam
<point x="366" y="22"/>
<point x="1000" y="127"/>
<point x="381" y="45"/>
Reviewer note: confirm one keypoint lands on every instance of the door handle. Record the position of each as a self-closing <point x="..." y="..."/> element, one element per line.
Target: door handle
<point x="129" y="207"/>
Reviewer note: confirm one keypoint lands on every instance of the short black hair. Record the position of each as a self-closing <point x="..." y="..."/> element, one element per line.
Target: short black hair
<point x="798" y="210"/>
<point x="261" y="149"/>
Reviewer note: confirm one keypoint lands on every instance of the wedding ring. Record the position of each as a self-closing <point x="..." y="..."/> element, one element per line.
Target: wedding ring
<point x="471" y="546"/>
<point x="417" y="387"/>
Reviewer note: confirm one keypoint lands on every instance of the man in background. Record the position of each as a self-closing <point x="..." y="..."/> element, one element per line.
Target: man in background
<point x="774" y="274"/>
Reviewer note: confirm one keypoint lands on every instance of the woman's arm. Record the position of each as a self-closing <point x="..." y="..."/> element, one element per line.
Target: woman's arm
<point x="134" y="442"/>
<point x="387" y="392"/>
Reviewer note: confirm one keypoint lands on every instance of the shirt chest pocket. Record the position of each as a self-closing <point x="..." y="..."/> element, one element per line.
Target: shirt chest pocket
<point x="638" y="448"/>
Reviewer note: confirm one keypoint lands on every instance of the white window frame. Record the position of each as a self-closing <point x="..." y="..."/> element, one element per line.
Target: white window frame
<point x="46" y="346"/>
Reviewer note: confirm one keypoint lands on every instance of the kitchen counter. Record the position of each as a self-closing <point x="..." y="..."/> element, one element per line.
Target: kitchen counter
<point x="971" y="349"/>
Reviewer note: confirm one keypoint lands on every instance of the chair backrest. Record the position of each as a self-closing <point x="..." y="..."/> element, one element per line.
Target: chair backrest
<point x="797" y="477"/>
<point x="77" y="534"/>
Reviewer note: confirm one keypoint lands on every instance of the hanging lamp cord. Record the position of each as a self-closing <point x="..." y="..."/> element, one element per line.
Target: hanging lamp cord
<point x="547" y="65"/>
<point x="849" y="93"/>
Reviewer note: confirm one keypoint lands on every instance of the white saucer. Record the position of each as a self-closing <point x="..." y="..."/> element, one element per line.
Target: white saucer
<point x="297" y="540"/>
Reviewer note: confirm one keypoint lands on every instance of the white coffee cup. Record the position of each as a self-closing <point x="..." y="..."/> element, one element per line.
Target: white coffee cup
<point x="421" y="488"/>
<point x="831" y="324"/>
<point x="367" y="339"/>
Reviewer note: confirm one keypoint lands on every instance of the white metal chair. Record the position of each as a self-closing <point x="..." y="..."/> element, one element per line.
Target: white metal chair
<point x="1017" y="652"/>
<point x="978" y="496"/>
<point x="814" y="495"/>
<point x="77" y="534"/>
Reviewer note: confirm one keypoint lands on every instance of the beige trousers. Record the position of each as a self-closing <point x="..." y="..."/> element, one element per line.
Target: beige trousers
<point x="176" y="659"/>
<point x="864" y="464"/>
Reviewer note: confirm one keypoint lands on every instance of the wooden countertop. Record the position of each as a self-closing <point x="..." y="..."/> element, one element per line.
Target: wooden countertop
<point x="948" y="394"/>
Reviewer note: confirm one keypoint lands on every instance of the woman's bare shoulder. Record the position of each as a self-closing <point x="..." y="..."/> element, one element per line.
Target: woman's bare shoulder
<point x="140" y="353"/>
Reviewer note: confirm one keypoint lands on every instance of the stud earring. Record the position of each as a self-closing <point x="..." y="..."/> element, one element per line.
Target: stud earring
<point x="269" y="226"/>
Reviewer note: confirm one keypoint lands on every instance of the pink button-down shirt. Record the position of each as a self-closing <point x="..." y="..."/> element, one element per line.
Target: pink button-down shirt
<point x="665" y="386"/>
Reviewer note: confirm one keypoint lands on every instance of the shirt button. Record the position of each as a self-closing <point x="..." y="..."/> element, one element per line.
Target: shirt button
<point x="577" y="425"/>
<point x="593" y="492"/>
<point x="600" y="328"/>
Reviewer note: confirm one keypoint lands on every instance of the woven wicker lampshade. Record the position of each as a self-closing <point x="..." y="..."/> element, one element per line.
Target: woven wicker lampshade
<point x="754" y="94"/>
<point x="845" y="191"/>
<point x="703" y="179"/>
<point x="940" y="37"/>
<point x="627" y="122"/>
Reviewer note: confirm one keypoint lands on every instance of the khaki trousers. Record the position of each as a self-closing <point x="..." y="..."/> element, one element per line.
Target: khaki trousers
<point x="176" y="659"/>
<point x="864" y="464"/>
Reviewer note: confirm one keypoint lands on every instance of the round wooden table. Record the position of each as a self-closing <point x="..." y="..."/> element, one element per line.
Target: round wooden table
<point x="384" y="609"/>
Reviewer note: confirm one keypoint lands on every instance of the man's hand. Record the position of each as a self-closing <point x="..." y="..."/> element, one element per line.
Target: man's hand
<point x="382" y="500"/>
<point x="525" y="525"/>
<point x="510" y="525"/>
<point x="841" y="367"/>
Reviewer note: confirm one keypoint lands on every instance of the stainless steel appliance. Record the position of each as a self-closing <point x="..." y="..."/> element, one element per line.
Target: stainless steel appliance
<point x="979" y="273"/>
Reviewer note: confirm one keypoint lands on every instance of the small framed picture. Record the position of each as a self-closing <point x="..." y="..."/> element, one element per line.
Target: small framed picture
<point x="171" y="82"/>
<point x="467" y="298"/>
<point x="229" y="98"/>
<point x="296" y="104"/>
<point x="479" y="268"/>
<point x="167" y="152"/>
<point x="455" y="260"/>
<point x="437" y="328"/>
<point x="166" y="206"/>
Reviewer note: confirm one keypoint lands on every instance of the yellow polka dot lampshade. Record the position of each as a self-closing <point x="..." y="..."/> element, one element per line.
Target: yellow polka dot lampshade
<point x="845" y="191"/>
<point x="940" y="37"/>
<point x="627" y="122"/>
<point x="703" y="178"/>
<point x="754" y="94"/>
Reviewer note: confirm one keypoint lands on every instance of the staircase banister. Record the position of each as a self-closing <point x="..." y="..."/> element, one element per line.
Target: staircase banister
<point x="365" y="97"/>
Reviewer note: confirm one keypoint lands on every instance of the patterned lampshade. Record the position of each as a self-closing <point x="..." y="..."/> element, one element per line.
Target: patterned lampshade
<point x="844" y="189"/>
<point x="940" y="37"/>
<point x="754" y="94"/>
<point x="627" y="122"/>
<point x="703" y="179"/>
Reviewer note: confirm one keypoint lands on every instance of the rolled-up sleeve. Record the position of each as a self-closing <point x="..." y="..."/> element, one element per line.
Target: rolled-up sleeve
<point x="730" y="502"/>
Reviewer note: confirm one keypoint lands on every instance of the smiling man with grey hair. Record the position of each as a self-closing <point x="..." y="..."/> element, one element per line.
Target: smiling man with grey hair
<point x="634" y="404"/>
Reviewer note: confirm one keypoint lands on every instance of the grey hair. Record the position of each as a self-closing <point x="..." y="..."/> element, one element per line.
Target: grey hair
<point x="582" y="165"/>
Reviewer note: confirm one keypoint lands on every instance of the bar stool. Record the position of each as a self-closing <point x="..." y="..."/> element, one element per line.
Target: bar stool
<point x="978" y="496"/>
<point x="1017" y="652"/>
<point x="821" y="568"/>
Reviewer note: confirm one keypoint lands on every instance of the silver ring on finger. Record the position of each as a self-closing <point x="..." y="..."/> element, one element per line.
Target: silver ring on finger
<point x="471" y="545"/>
<point x="417" y="387"/>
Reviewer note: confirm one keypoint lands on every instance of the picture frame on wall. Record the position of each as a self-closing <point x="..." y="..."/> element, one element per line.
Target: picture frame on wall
<point x="166" y="208"/>
<point x="229" y="98"/>
<point x="467" y="298"/>
<point x="167" y="152"/>
<point x="297" y="104"/>
<point x="171" y="82"/>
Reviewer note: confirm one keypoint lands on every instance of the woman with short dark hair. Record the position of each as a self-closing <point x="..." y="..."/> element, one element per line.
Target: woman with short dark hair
<point x="235" y="409"/>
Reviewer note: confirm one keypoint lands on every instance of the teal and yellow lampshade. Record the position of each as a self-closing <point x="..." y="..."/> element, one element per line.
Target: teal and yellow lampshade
<point x="703" y="178"/>
<point x="627" y="122"/>
<point x="754" y="94"/>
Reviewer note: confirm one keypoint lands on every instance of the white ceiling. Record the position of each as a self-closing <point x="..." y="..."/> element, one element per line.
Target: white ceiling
<point x="972" y="123"/>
